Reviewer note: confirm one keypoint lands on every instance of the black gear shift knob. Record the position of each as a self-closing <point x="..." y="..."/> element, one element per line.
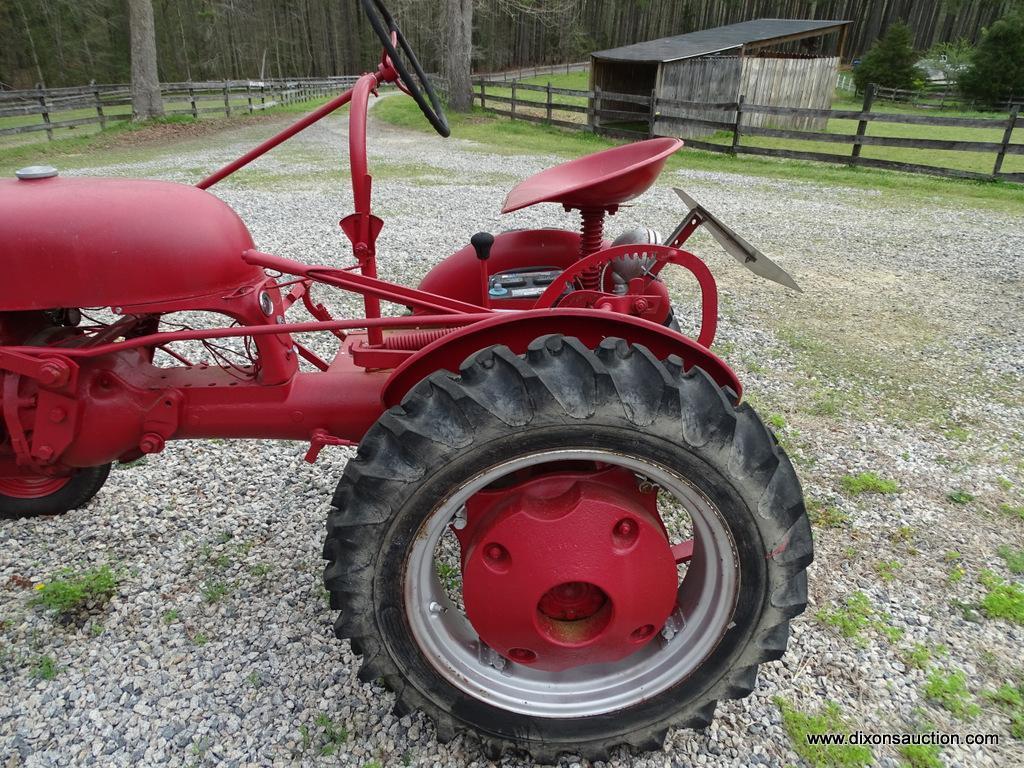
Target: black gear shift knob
<point x="482" y="242"/>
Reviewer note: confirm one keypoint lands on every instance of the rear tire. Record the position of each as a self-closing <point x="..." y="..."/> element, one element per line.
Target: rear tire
<point x="49" y="496"/>
<point x="560" y="394"/>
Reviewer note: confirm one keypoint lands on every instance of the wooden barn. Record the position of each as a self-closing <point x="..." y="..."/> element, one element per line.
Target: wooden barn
<point x="771" y="62"/>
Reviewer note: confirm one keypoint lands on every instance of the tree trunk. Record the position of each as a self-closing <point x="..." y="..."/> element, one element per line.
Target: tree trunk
<point x="459" y="54"/>
<point x="146" y="101"/>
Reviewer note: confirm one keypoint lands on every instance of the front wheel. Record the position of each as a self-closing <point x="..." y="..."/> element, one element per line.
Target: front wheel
<point x="30" y="496"/>
<point x="568" y="551"/>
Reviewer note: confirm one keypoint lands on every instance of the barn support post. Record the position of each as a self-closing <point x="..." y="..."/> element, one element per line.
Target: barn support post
<point x="99" y="105"/>
<point x="513" y="104"/>
<point x="738" y="126"/>
<point x="652" y="113"/>
<point x="595" y="119"/>
<point x="1010" y="125"/>
<point x="549" y="103"/>
<point x="862" y="125"/>
<point x="46" y="110"/>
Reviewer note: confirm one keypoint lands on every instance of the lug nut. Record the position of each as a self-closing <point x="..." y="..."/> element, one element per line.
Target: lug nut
<point x="151" y="442"/>
<point x="624" y="528"/>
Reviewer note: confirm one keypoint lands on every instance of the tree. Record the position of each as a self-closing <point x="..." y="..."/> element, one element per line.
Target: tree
<point x="459" y="54"/>
<point x="890" y="62"/>
<point x="996" y="71"/>
<point x="146" y="100"/>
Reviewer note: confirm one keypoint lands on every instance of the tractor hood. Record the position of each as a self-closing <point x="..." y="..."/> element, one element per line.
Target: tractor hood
<point x="96" y="242"/>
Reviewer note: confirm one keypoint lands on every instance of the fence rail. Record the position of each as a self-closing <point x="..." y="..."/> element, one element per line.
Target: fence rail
<point x="640" y="123"/>
<point x="92" y="104"/>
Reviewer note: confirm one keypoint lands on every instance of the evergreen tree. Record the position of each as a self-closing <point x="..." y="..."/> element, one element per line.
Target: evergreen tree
<point x="890" y="62"/>
<point x="997" y="67"/>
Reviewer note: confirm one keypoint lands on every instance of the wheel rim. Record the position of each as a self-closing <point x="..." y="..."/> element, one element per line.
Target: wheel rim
<point x="31" y="487"/>
<point x="706" y="598"/>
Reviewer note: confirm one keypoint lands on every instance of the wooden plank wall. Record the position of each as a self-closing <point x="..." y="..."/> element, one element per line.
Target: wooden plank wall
<point x="624" y="77"/>
<point x="712" y="79"/>
<point x="788" y="82"/>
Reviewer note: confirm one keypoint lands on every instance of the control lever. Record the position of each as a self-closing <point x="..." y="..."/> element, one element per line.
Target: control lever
<point x="482" y="242"/>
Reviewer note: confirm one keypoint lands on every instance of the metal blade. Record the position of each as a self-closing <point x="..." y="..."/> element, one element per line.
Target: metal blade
<point x="746" y="254"/>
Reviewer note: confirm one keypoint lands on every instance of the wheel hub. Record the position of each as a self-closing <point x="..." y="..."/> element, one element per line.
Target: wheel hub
<point x="567" y="569"/>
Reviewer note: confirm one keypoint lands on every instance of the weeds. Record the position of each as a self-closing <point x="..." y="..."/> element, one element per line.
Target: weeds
<point x="71" y="592"/>
<point x="800" y="726"/>
<point x="921" y="755"/>
<point x="1010" y="699"/>
<point x="887" y="569"/>
<point x="856" y="615"/>
<point x="45" y="668"/>
<point x="1014" y="558"/>
<point x="960" y="496"/>
<point x="868" y="482"/>
<point x="949" y="690"/>
<point x="1004" y="600"/>
<point x="826" y="516"/>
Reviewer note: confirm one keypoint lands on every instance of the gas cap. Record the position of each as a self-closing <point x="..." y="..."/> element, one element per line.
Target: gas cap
<point x="36" y="172"/>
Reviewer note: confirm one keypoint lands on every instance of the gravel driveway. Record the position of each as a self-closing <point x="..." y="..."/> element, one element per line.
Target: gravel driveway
<point x="903" y="357"/>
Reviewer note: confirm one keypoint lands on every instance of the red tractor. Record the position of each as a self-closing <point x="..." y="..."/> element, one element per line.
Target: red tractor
<point x="562" y="531"/>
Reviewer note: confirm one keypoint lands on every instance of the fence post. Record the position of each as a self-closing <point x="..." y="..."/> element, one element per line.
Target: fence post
<point x="263" y="95"/>
<point x="549" y="102"/>
<point x="596" y="113"/>
<point x="513" y="110"/>
<point x="192" y="101"/>
<point x="862" y="125"/>
<point x="99" y="105"/>
<point x="46" y="110"/>
<point x="248" y="95"/>
<point x="1010" y="124"/>
<point x="227" y="100"/>
<point x="483" y="94"/>
<point x="652" y="113"/>
<point x="737" y="128"/>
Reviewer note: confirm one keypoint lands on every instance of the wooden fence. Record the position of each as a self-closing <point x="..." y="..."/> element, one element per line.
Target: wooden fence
<point x="651" y="112"/>
<point x="543" y="69"/>
<point x="96" y="104"/>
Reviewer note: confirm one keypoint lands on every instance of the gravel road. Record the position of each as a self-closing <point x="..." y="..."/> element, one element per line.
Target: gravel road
<point x="902" y="357"/>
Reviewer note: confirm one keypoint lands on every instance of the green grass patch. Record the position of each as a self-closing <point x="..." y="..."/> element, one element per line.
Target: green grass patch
<point x="1014" y="558"/>
<point x="1010" y="699"/>
<point x="69" y="591"/>
<point x="332" y="735"/>
<point x="921" y="755"/>
<point x="215" y="591"/>
<point x="855" y="615"/>
<point x="45" y="668"/>
<point x="1004" y="599"/>
<point x="826" y="516"/>
<point x="1012" y="510"/>
<point x="868" y="482"/>
<point x="960" y="497"/>
<point x="920" y="655"/>
<point x="949" y="691"/>
<point x="802" y="727"/>
<point x="887" y="570"/>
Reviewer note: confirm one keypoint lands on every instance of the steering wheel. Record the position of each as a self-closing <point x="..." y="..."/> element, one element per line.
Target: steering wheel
<point x="394" y="41"/>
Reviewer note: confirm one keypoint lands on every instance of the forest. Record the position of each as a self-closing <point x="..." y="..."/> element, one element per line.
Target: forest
<point x="70" y="42"/>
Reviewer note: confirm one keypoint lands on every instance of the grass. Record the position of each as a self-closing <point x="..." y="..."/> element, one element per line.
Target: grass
<point x="45" y="668"/>
<point x="1004" y="599"/>
<point x="504" y="136"/>
<point x="949" y="690"/>
<point x="801" y="727"/>
<point x="960" y="497"/>
<point x="854" y="616"/>
<point x="214" y="592"/>
<point x="1012" y="510"/>
<point x="868" y="482"/>
<point x="333" y="735"/>
<point x="921" y="755"/>
<point x="1010" y="699"/>
<point x="1014" y="558"/>
<point x="826" y="515"/>
<point x="70" y="592"/>
<point x="920" y="655"/>
<point x="887" y="570"/>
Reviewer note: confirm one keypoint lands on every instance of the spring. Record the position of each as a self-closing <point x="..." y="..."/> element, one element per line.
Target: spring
<point x="415" y="339"/>
<point x="591" y="237"/>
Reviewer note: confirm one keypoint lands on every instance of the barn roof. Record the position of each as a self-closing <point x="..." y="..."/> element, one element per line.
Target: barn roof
<point x="707" y="41"/>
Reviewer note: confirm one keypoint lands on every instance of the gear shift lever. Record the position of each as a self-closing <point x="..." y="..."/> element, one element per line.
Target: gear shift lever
<point x="482" y="242"/>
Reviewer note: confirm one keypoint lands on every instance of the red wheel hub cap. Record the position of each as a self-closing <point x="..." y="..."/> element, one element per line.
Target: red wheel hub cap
<point x="567" y="569"/>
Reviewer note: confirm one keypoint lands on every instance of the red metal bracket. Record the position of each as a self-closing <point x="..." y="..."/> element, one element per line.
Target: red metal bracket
<point x="321" y="438"/>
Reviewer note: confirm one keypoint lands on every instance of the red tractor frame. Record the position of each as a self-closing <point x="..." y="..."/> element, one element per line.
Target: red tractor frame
<point x="630" y="541"/>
